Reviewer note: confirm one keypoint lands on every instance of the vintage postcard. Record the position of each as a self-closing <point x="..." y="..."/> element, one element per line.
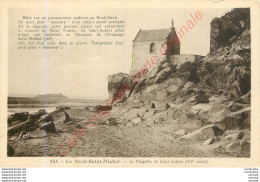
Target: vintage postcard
<point x="130" y="84"/>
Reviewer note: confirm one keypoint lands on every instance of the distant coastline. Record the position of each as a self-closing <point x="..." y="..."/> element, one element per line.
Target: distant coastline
<point x="49" y="102"/>
<point x="47" y="99"/>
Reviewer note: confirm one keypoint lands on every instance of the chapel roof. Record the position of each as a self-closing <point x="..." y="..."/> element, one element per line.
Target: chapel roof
<point x="152" y="35"/>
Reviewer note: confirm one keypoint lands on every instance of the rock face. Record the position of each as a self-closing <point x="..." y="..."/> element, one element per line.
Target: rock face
<point x="225" y="30"/>
<point x="204" y="99"/>
<point x="25" y="122"/>
<point x="118" y="87"/>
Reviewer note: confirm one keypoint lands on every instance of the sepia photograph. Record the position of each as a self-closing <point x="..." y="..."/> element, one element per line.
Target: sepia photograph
<point x="129" y="83"/>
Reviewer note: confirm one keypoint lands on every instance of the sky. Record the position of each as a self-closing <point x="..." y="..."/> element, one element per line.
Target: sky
<point x="82" y="72"/>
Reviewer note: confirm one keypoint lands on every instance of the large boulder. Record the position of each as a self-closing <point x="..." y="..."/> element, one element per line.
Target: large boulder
<point x="192" y="125"/>
<point x="48" y="127"/>
<point x="161" y="95"/>
<point x="136" y="120"/>
<point x="67" y="117"/>
<point x="112" y="121"/>
<point x="160" y="106"/>
<point x="29" y="125"/>
<point x="119" y="86"/>
<point x="204" y="133"/>
<point x="235" y="107"/>
<point x="211" y="141"/>
<point x="241" y="78"/>
<point x="240" y="103"/>
<point x="233" y="147"/>
<point x="90" y="108"/>
<point x="240" y="119"/>
<point x="159" y="117"/>
<point x="146" y="97"/>
<point x="38" y="114"/>
<point x="233" y="136"/>
<point x="46" y="118"/>
<point x="62" y="108"/>
<point x="176" y="81"/>
<point x="201" y="108"/>
<point x="236" y="141"/>
<point x="189" y="85"/>
<point x="175" y="113"/>
<point x="172" y="88"/>
<point x="245" y="146"/>
<point x="200" y="98"/>
<point x="133" y="113"/>
<point x="181" y="132"/>
<point x="23" y="116"/>
<point x="78" y="114"/>
<point x="148" y="115"/>
<point x="151" y="88"/>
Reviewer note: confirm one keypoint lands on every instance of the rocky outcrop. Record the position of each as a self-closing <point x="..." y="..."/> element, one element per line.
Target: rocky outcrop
<point x="48" y="127"/>
<point x="226" y="30"/>
<point x="118" y="87"/>
<point x="46" y="118"/>
<point x="38" y="114"/>
<point x="203" y="100"/>
<point x="204" y="133"/>
<point x="23" y="116"/>
<point x="25" y="122"/>
<point x="205" y="103"/>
